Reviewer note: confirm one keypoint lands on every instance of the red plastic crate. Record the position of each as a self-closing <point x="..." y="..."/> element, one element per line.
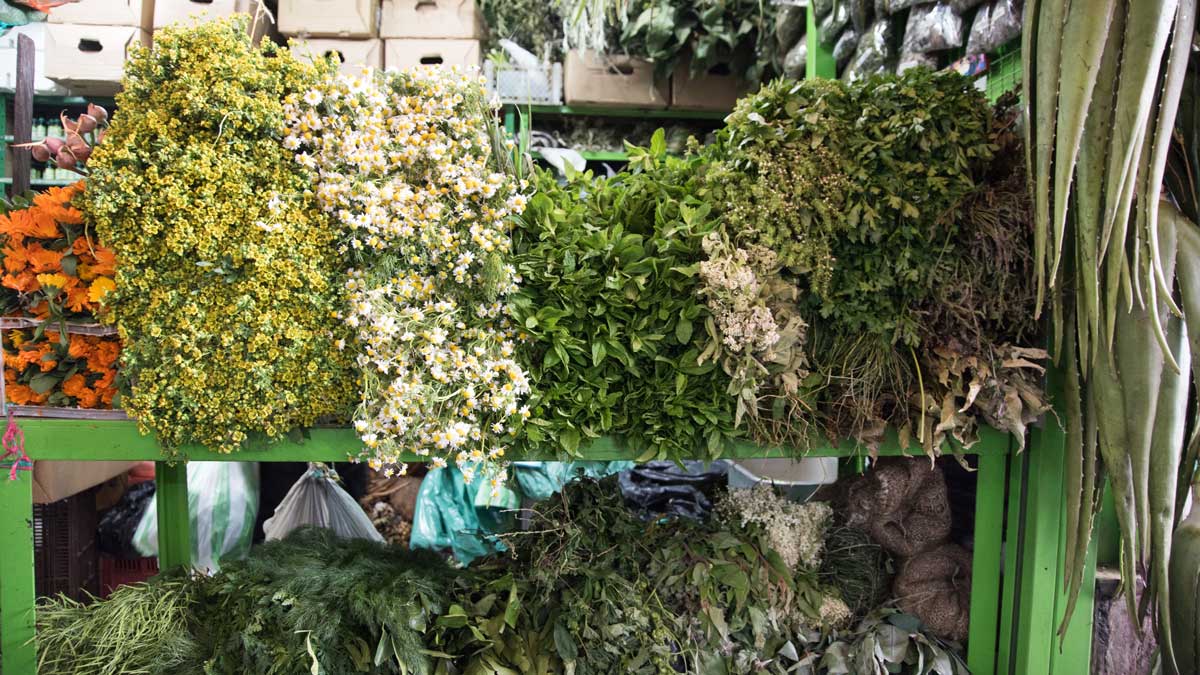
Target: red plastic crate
<point x="116" y="572"/>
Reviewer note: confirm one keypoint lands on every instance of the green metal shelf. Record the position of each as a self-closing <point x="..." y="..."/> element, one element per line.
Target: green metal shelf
<point x="617" y="111"/>
<point x="119" y="440"/>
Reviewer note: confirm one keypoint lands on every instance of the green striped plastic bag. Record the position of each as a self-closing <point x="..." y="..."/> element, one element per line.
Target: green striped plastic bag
<point x="222" y="505"/>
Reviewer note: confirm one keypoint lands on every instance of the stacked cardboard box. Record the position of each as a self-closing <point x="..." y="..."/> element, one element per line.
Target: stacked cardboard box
<point x="430" y="32"/>
<point x="8" y="60"/>
<point x="87" y="42"/>
<point x="608" y="80"/>
<point x="344" y="29"/>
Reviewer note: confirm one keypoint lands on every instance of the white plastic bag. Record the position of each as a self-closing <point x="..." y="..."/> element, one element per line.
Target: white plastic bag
<point x="222" y="507"/>
<point x="317" y="499"/>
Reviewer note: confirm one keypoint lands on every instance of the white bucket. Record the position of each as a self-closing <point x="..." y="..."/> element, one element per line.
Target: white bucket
<point x="798" y="478"/>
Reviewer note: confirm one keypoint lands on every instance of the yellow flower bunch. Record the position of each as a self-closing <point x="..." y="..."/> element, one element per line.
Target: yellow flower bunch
<point x="229" y="278"/>
<point x="406" y="164"/>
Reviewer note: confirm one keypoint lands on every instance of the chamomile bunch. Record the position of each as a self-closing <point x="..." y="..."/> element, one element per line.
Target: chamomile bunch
<point x="405" y="163"/>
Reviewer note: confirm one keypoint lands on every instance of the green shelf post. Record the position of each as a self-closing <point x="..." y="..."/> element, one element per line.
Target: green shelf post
<point x="820" y="61"/>
<point x="1010" y="563"/>
<point x="986" y="596"/>
<point x="18" y="654"/>
<point x="174" y="527"/>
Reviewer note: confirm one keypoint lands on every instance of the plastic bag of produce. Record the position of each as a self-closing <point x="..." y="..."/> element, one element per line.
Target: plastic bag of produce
<point x="893" y="6"/>
<point x="114" y="535"/>
<point x="822" y="7"/>
<point x="796" y="60"/>
<point x="789" y="26"/>
<point x="222" y="505"/>
<point x="833" y="24"/>
<point x="317" y="499"/>
<point x="995" y="24"/>
<point x="932" y="28"/>
<point x="908" y="61"/>
<point x="844" y="49"/>
<point x="861" y="13"/>
<point x="963" y="6"/>
<point x="873" y="52"/>
<point x="666" y="488"/>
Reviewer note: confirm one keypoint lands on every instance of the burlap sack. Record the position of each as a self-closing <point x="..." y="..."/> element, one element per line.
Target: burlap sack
<point x="935" y="586"/>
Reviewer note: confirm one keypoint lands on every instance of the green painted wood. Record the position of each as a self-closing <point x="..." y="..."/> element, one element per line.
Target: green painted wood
<point x="174" y="526"/>
<point x="986" y="596"/>
<point x="18" y="654"/>
<point x="1041" y="566"/>
<point x="90" y="440"/>
<point x="1010" y="564"/>
<point x="820" y="61"/>
<point x="1073" y="655"/>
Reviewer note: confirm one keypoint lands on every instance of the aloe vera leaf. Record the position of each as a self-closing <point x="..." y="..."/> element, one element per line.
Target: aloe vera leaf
<point x="1051" y="14"/>
<point x="1147" y="27"/>
<point x="1084" y="36"/>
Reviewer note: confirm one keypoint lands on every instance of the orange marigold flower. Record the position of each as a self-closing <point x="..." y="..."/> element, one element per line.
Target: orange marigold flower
<point x="15" y="257"/>
<point x="106" y="380"/>
<point x="106" y="262"/>
<point x="44" y="260"/>
<point x="77" y="297"/>
<point x="103" y="356"/>
<point x="79" y="347"/>
<point x="89" y="398"/>
<point x="19" y="394"/>
<point x="74" y="386"/>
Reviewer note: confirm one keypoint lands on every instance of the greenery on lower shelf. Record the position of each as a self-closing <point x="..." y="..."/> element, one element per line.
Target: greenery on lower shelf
<point x="587" y="588"/>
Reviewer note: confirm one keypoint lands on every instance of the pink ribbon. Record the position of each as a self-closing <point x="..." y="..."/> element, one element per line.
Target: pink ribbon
<point x="13" y="443"/>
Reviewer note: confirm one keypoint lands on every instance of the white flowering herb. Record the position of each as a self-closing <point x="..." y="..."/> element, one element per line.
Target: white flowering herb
<point x="405" y="163"/>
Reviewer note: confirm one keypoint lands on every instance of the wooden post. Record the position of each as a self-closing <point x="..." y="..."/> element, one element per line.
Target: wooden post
<point x="23" y="114"/>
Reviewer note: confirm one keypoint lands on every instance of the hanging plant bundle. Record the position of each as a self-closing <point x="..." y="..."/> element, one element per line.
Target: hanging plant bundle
<point x="410" y="164"/>
<point x="228" y="274"/>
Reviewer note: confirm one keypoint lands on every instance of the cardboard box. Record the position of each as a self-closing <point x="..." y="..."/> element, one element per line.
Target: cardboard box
<point x="90" y="59"/>
<point x="328" y="18"/>
<point x="716" y="90"/>
<point x="431" y="19"/>
<point x="402" y="54"/>
<point x="138" y="13"/>
<point x="599" y="79"/>
<point x="167" y="12"/>
<point x="53" y="481"/>
<point x="353" y="53"/>
<point x="8" y="60"/>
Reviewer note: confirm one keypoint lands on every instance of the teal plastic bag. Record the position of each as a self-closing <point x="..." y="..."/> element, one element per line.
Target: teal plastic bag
<point x="465" y="519"/>
<point x="222" y="505"/>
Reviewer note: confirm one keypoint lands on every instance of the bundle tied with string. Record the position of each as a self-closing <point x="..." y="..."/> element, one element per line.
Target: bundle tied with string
<point x="936" y="587"/>
<point x="904" y="506"/>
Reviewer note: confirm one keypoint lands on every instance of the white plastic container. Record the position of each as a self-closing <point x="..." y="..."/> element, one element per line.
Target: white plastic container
<point x="798" y="478"/>
<point x="542" y="85"/>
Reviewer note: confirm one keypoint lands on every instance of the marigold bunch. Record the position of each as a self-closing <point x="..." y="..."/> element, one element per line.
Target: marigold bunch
<point x="405" y="162"/>
<point x="79" y="371"/>
<point x="53" y="267"/>
<point x="228" y="326"/>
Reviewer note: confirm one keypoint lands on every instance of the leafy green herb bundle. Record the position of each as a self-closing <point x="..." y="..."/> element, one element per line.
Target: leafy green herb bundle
<point x="608" y="301"/>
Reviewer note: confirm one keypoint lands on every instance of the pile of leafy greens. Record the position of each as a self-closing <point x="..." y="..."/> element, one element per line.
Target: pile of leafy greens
<point x="587" y="588"/>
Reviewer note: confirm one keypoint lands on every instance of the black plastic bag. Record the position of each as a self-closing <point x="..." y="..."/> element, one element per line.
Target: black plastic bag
<point x="963" y="6"/>
<point x="832" y="25"/>
<point x="796" y="60"/>
<point x="663" y="488"/>
<point x="844" y="49"/>
<point x="789" y="26"/>
<point x="932" y="28"/>
<point x="861" y="13"/>
<point x="995" y="24"/>
<point x="114" y="535"/>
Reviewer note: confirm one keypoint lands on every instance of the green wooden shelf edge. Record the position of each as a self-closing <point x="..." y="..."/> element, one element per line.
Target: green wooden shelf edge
<point x="96" y="440"/>
<point x="605" y="111"/>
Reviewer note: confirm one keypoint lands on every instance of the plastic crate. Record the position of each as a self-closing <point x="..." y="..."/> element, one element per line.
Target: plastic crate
<point x="1004" y="71"/>
<point x="534" y="86"/>
<point x="66" y="557"/>
<point x="115" y="572"/>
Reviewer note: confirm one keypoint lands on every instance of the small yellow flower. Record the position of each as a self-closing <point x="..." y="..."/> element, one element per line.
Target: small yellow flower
<point x="57" y="281"/>
<point x="100" y="288"/>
